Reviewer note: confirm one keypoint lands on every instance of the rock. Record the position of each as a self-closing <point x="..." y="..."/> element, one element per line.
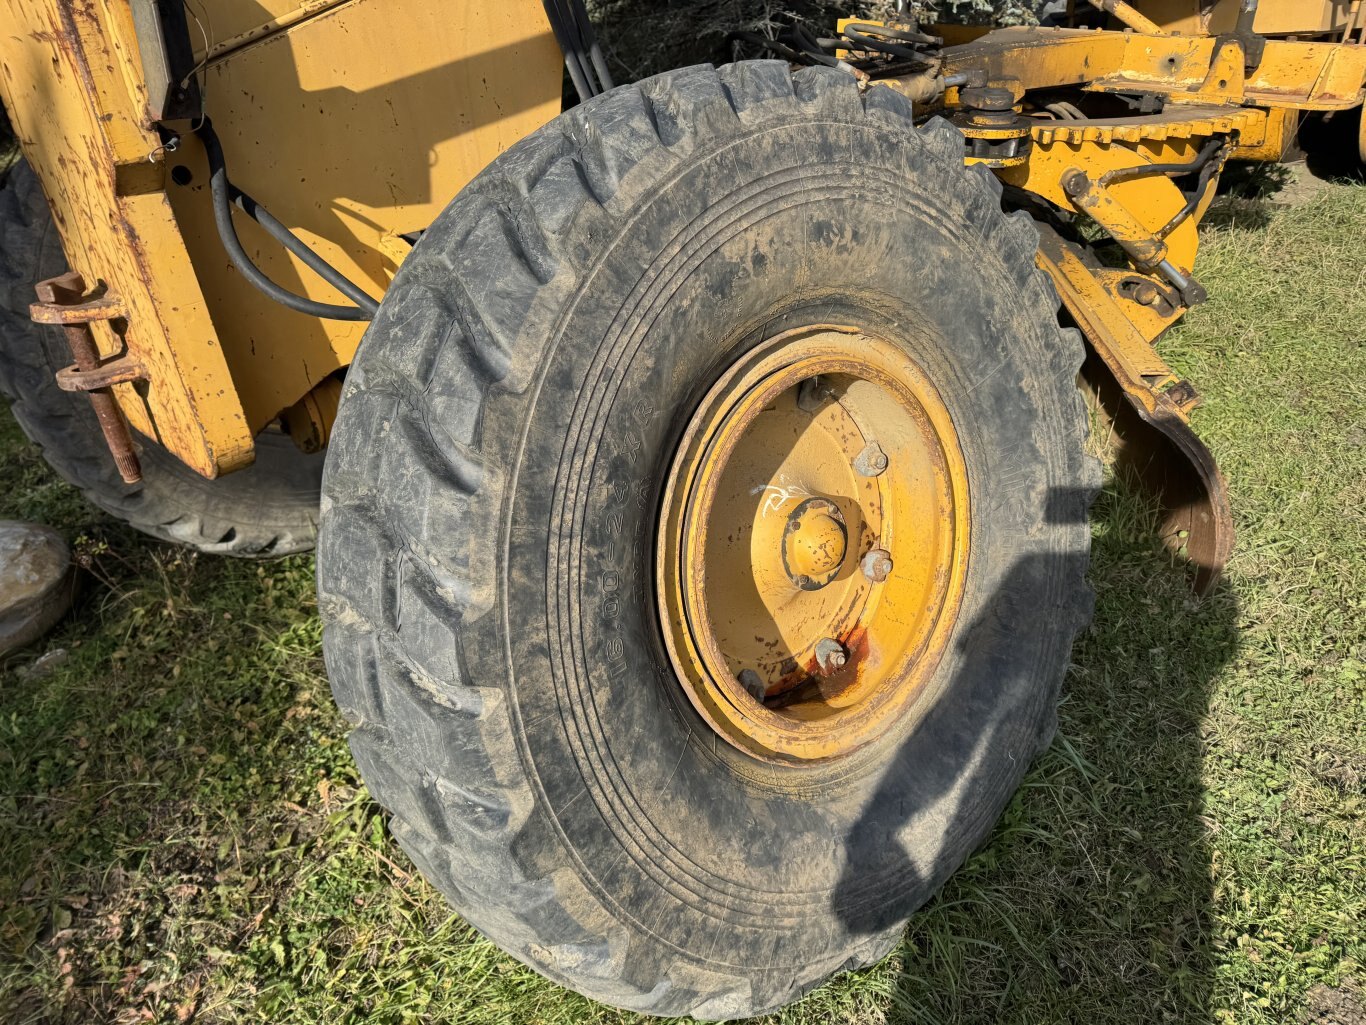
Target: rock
<point x="43" y="665"/>
<point x="37" y="583"/>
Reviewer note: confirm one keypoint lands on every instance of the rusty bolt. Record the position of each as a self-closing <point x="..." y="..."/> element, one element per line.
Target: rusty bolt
<point x="1145" y="293"/>
<point x="877" y="565"/>
<point x="830" y="654"/>
<point x="872" y="461"/>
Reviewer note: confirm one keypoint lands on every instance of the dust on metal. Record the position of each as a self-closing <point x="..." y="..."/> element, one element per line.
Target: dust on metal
<point x="872" y="461"/>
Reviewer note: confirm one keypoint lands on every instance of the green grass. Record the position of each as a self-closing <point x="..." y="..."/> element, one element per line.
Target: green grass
<point x="185" y="836"/>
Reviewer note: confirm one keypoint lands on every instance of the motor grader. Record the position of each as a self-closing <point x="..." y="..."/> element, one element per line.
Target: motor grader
<point x="697" y="472"/>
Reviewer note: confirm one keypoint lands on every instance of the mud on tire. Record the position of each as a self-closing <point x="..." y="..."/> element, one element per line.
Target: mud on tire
<point x="491" y="497"/>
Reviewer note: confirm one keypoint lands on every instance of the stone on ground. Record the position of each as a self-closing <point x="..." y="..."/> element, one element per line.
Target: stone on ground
<point x="37" y="583"/>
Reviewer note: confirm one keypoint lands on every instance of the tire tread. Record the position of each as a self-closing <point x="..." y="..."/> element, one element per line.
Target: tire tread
<point x="578" y="170"/>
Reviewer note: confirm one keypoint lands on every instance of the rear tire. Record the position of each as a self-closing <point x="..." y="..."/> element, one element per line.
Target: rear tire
<point x="268" y="509"/>
<point x="489" y="521"/>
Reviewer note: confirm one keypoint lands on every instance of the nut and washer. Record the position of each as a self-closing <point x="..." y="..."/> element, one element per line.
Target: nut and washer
<point x="872" y="461"/>
<point x="830" y="655"/>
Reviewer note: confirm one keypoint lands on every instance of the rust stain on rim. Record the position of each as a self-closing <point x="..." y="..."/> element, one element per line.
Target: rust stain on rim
<point x="781" y="641"/>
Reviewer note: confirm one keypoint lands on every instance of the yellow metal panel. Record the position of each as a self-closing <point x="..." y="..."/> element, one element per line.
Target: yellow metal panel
<point x="223" y="25"/>
<point x="76" y="113"/>
<point x="1305" y="75"/>
<point x="355" y="121"/>
<point x="355" y="124"/>
<point x="1152" y="200"/>
<point x="1274" y="17"/>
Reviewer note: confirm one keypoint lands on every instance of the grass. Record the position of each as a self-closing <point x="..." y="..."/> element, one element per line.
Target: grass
<point x="185" y="837"/>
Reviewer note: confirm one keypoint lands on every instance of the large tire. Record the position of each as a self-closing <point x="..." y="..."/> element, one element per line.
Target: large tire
<point x="1361" y="135"/>
<point x="533" y="362"/>
<point x="268" y="509"/>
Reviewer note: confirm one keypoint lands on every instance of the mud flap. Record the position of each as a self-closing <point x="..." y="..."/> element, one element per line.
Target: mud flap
<point x="1158" y="450"/>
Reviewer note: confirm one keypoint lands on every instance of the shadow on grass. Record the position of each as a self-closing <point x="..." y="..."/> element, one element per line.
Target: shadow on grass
<point x="1090" y="902"/>
<point x="1332" y="146"/>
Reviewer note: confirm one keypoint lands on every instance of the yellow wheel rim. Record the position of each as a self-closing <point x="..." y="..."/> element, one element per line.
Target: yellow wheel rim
<point x="812" y="545"/>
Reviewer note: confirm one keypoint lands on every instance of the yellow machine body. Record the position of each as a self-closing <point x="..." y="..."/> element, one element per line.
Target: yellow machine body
<point x="1274" y="17"/>
<point x="356" y="121"/>
<point x="353" y="121"/>
<point x="1170" y="83"/>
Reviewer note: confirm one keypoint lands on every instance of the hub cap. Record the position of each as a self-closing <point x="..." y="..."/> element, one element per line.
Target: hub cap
<point x="812" y="544"/>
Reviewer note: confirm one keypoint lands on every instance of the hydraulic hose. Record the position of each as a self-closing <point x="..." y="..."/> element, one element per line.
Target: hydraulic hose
<point x="1206" y="154"/>
<point x="225" y="195"/>
<point x="302" y="250"/>
<point x="1211" y="167"/>
<point x="862" y="37"/>
<point x="580" y="16"/>
<point x="573" y="55"/>
<point x="583" y="57"/>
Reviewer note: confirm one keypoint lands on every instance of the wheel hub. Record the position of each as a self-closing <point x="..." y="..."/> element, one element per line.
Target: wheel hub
<point x="812" y="545"/>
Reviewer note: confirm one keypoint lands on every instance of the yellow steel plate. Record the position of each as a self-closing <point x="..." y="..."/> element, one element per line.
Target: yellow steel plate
<point x="354" y="125"/>
<point x="75" y="108"/>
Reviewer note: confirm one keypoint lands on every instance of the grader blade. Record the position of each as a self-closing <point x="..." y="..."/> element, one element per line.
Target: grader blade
<point x="1155" y="445"/>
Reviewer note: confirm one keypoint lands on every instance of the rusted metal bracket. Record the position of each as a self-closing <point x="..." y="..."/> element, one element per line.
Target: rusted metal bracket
<point x="1157" y="444"/>
<point x="62" y="303"/>
<point x="109" y="372"/>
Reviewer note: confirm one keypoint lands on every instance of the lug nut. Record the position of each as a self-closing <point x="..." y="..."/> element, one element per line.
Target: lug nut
<point x="830" y="655"/>
<point x="872" y="461"/>
<point x="812" y="394"/>
<point x="750" y="680"/>
<point x="877" y="565"/>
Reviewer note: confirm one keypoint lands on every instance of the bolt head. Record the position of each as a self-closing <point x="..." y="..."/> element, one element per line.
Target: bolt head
<point x="750" y="680"/>
<point x="872" y="461"/>
<point x="830" y="654"/>
<point x="877" y="565"/>
<point x="1145" y="293"/>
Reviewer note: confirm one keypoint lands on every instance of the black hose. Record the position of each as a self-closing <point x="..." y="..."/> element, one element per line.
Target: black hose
<point x="222" y="192"/>
<point x="1207" y="172"/>
<point x="576" y="62"/>
<point x="302" y="250"/>
<point x="573" y="35"/>
<point x="586" y="34"/>
<point x="859" y="41"/>
<point x="796" y="45"/>
<point x="1202" y="158"/>
<point x="807" y="44"/>
<point x="777" y="46"/>
<point x="890" y="32"/>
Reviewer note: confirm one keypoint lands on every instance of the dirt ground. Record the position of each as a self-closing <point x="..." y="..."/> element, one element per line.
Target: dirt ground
<point x="1342" y="1005"/>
